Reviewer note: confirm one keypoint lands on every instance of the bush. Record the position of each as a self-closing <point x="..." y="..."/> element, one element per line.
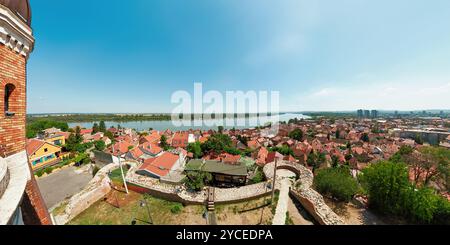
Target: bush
<point x="176" y="208"/>
<point x="48" y="170"/>
<point x="40" y="173"/>
<point x="385" y="183"/>
<point x="259" y="176"/>
<point x="100" y="145"/>
<point x="390" y="192"/>
<point x="336" y="182"/>
<point x="196" y="181"/>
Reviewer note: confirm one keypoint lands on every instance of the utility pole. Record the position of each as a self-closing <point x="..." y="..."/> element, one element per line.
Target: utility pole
<point x="274" y="178"/>
<point x="121" y="170"/>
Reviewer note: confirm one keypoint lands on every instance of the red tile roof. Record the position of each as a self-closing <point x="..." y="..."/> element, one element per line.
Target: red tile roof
<point x="33" y="145"/>
<point x="151" y="148"/>
<point x="86" y="131"/>
<point x="160" y="166"/>
<point x="121" y="148"/>
<point x="180" y="139"/>
<point x="262" y="156"/>
<point x="253" y="144"/>
<point x="65" y="134"/>
<point x="136" y="152"/>
<point x="153" y="137"/>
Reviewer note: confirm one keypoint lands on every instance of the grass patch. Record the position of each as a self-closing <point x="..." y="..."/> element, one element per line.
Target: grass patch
<point x="289" y="220"/>
<point x="60" y="209"/>
<point x="162" y="212"/>
<point x="116" y="175"/>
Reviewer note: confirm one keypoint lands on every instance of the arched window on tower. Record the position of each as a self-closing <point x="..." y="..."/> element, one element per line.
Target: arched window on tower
<point x="9" y="89"/>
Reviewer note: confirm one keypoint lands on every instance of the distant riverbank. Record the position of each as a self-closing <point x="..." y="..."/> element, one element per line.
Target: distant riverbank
<point x="167" y="123"/>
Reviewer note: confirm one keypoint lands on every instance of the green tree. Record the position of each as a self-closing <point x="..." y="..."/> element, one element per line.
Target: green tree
<point x="195" y="149"/>
<point x="109" y="135"/>
<point x="390" y="192"/>
<point x="100" y="145"/>
<point x="102" y="126"/>
<point x="316" y="159"/>
<point x="433" y="163"/>
<point x="336" y="182"/>
<point x="385" y="183"/>
<point x="338" y="134"/>
<point x="74" y="141"/>
<point x="402" y="154"/>
<point x="95" y="128"/>
<point x="220" y="129"/>
<point x="365" y="137"/>
<point x="284" y="150"/>
<point x="297" y="134"/>
<point x="35" y="127"/>
<point x="334" y="161"/>
<point x="196" y="181"/>
<point x="163" y="142"/>
<point x="217" y="143"/>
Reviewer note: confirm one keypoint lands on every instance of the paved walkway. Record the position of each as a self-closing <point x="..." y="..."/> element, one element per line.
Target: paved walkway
<point x="282" y="207"/>
<point x="63" y="184"/>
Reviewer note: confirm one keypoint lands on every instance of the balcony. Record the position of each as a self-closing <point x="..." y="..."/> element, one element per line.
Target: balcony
<point x="14" y="175"/>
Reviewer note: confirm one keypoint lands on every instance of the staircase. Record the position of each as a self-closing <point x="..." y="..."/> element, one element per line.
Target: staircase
<point x="211" y="206"/>
<point x="211" y="197"/>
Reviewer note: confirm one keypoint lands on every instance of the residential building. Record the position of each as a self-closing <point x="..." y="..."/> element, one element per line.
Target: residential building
<point x="226" y="175"/>
<point x="180" y="139"/>
<point x="42" y="153"/>
<point x="162" y="166"/>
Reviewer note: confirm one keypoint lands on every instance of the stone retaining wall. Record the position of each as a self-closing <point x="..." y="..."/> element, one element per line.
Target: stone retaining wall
<point x="310" y="199"/>
<point x="178" y="193"/>
<point x="97" y="188"/>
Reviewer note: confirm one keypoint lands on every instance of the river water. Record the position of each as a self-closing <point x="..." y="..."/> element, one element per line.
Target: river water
<point x="198" y="124"/>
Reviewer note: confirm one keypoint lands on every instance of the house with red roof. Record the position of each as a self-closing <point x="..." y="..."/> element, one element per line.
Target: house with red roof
<point x="121" y="148"/>
<point x="274" y="155"/>
<point x="135" y="154"/>
<point x="261" y="158"/>
<point x="150" y="149"/>
<point x="153" y="138"/>
<point x="86" y="131"/>
<point x="162" y="166"/>
<point x="41" y="153"/>
<point x="180" y="139"/>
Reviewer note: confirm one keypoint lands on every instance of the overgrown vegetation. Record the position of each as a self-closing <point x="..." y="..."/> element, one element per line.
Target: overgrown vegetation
<point x="390" y="192"/>
<point x="196" y="181"/>
<point x="258" y="177"/>
<point x="337" y="183"/>
<point x="176" y="208"/>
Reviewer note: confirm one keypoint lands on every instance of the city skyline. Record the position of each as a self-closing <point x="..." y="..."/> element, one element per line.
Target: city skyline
<point x="130" y="58"/>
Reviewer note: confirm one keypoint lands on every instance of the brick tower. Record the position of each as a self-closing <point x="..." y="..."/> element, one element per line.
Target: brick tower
<point x="20" y="199"/>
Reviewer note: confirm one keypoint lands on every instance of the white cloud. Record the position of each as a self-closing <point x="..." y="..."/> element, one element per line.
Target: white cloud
<point x="401" y="94"/>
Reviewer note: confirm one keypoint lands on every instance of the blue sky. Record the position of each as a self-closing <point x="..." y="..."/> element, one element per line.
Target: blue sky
<point x="130" y="56"/>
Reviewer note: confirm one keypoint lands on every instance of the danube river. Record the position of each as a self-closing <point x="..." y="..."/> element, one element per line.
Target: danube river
<point x="198" y="124"/>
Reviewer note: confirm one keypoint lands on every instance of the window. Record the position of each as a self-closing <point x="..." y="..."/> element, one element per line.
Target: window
<point x="9" y="88"/>
<point x="45" y="150"/>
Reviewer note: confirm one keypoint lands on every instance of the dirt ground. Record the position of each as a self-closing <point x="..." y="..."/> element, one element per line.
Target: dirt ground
<point x="249" y="213"/>
<point x="353" y="214"/>
<point x="296" y="215"/>
<point x="121" y="209"/>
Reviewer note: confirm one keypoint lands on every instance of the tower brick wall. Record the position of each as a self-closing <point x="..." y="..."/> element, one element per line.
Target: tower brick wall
<point x="12" y="128"/>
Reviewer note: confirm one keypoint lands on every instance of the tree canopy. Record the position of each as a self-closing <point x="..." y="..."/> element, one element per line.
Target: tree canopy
<point x="37" y="127"/>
